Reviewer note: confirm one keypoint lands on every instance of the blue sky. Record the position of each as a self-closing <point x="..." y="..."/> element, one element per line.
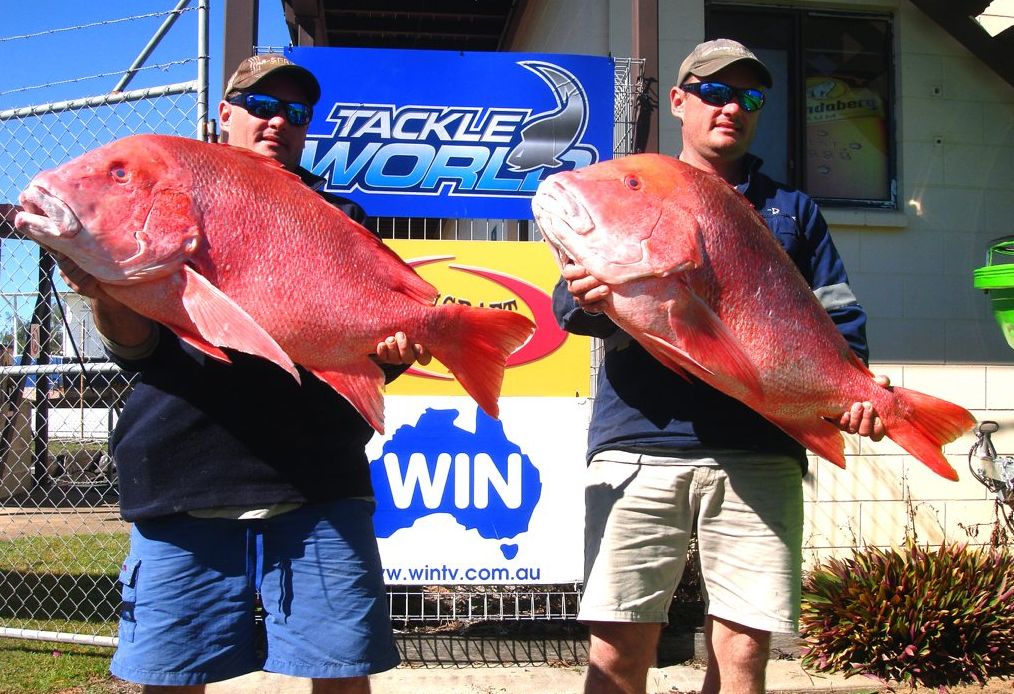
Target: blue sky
<point x="109" y="48"/>
<point x="40" y="45"/>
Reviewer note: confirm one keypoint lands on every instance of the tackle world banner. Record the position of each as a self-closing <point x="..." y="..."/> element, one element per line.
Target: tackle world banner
<point x="449" y="134"/>
<point x="462" y="497"/>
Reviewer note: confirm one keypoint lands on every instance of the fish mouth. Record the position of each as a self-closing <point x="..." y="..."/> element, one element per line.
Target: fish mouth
<point x="560" y="216"/>
<point x="44" y="216"/>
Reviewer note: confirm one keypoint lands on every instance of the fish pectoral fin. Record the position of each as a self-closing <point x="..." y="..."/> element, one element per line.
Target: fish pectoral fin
<point x="667" y="354"/>
<point x="362" y="384"/>
<point x="819" y="436"/>
<point x="708" y="343"/>
<point x="197" y="342"/>
<point x="220" y="321"/>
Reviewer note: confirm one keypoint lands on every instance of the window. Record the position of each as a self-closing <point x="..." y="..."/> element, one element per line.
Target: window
<point x="827" y="127"/>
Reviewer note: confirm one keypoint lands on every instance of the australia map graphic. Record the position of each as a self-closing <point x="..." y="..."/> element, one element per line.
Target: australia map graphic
<point x="481" y="479"/>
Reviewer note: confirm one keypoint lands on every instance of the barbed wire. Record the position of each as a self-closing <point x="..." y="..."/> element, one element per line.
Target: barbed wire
<point x="160" y="66"/>
<point x="4" y="39"/>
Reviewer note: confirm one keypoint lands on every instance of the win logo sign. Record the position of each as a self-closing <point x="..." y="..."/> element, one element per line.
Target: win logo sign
<point x="483" y="480"/>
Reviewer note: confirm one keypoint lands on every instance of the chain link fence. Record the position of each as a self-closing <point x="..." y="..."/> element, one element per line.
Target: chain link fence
<point x="61" y="538"/>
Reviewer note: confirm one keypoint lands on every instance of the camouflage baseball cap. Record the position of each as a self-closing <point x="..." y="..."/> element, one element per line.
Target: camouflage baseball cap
<point x="258" y="67"/>
<point x="711" y="56"/>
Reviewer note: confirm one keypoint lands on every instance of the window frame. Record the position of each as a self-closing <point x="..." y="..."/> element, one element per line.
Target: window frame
<point x="739" y="21"/>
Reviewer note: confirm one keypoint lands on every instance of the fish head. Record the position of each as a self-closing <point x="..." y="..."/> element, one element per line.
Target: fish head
<point x="121" y="212"/>
<point x="622" y="219"/>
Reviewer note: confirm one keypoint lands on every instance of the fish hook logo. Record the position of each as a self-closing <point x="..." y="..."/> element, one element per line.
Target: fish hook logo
<point x="548" y="138"/>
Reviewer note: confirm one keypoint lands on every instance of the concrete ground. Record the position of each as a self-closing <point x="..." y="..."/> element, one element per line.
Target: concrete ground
<point x="782" y="676"/>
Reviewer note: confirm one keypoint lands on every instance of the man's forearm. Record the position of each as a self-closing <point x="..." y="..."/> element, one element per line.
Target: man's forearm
<point x="121" y="325"/>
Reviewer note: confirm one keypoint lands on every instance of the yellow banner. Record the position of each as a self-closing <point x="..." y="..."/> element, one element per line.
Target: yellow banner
<point x="506" y="275"/>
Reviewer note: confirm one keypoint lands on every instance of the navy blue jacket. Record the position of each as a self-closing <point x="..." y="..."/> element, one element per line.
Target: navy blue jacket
<point x="643" y="407"/>
<point x="196" y="433"/>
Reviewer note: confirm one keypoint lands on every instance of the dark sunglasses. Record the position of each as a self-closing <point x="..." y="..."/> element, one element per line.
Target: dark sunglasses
<point x="719" y="94"/>
<point x="265" y="107"/>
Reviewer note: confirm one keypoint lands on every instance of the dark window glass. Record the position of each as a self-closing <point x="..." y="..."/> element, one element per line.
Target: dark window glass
<point x="827" y="127"/>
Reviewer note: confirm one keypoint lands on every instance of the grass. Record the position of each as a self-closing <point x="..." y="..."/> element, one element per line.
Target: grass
<point x="41" y="667"/>
<point x="64" y="583"/>
<point x="77" y="554"/>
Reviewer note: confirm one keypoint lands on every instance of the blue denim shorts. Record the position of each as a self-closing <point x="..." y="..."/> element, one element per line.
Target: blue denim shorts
<point x="189" y="597"/>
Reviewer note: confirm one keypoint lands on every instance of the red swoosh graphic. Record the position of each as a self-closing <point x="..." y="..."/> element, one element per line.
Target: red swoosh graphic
<point x="548" y="335"/>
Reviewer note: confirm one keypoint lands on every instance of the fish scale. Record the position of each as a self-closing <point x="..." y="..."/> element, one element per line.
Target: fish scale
<point x="231" y="251"/>
<point x="698" y="279"/>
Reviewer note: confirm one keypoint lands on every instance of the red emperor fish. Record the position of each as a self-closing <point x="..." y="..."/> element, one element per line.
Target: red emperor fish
<point x="697" y="278"/>
<point x="231" y="251"/>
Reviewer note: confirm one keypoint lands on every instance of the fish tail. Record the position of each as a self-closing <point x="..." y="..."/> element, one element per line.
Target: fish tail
<point x="475" y="346"/>
<point x="923" y="424"/>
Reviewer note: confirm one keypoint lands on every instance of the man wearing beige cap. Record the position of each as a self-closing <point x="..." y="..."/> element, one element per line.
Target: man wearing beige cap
<point x="670" y="457"/>
<point x="252" y="546"/>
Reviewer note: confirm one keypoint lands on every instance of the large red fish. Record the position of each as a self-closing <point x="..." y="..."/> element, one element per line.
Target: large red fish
<point x="697" y="278"/>
<point x="230" y="250"/>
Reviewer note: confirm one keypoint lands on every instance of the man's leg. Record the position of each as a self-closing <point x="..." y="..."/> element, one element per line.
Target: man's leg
<point x="619" y="656"/>
<point x="325" y="603"/>
<point x="349" y="685"/>
<point x="187" y="605"/>
<point x="749" y="539"/>
<point x="737" y="657"/>
<point x="637" y="528"/>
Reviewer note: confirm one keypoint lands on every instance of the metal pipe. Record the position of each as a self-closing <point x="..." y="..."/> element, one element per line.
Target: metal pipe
<point x="202" y="70"/>
<point x="43" y="318"/>
<point x="105" y="100"/>
<point x="146" y="51"/>
<point x="58" y="636"/>
<point x="89" y="367"/>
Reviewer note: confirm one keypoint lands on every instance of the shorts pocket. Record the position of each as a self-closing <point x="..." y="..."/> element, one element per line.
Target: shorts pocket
<point x="128" y="593"/>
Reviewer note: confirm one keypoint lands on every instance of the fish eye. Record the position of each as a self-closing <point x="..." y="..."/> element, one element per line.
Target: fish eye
<point x="119" y="173"/>
<point x="632" y="182"/>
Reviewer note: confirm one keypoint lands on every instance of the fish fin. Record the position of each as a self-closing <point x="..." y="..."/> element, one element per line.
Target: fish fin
<point x="362" y="384"/>
<point x="474" y="346"/>
<point x="923" y="424"/>
<point x="819" y="436"/>
<point x="222" y="322"/>
<point x="415" y="286"/>
<point x="400" y="276"/>
<point x="708" y="343"/>
<point x="665" y="353"/>
<point x="197" y="342"/>
<point x="263" y="160"/>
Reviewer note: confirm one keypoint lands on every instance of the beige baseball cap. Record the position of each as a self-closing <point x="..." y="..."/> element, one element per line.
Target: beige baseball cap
<point x="258" y="67"/>
<point x="711" y="56"/>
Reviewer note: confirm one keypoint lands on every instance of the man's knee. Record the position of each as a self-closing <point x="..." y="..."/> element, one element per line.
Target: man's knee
<point x="623" y="644"/>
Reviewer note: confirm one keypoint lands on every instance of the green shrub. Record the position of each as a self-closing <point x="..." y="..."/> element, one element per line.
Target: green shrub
<point x="915" y="615"/>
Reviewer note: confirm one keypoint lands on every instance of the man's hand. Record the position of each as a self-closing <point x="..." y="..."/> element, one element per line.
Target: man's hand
<point x="397" y="349"/>
<point x="862" y="418"/>
<point x="589" y="293"/>
<point x="79" y="280"/>
<point x="117" y="323"/>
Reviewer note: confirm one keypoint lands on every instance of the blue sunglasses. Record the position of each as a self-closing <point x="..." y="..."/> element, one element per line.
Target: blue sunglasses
<point x="265" y="107"/>
<point x="720" y="94"/>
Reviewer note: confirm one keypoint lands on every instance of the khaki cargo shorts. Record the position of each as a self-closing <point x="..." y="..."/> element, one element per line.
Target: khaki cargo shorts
<point x="640" y="512"/>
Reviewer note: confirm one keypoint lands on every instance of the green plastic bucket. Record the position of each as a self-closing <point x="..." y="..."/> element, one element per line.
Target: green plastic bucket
<point x="996" y="278"/>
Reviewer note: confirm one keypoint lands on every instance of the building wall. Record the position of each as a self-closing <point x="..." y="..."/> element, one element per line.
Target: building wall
<point x="929" y="329"/>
